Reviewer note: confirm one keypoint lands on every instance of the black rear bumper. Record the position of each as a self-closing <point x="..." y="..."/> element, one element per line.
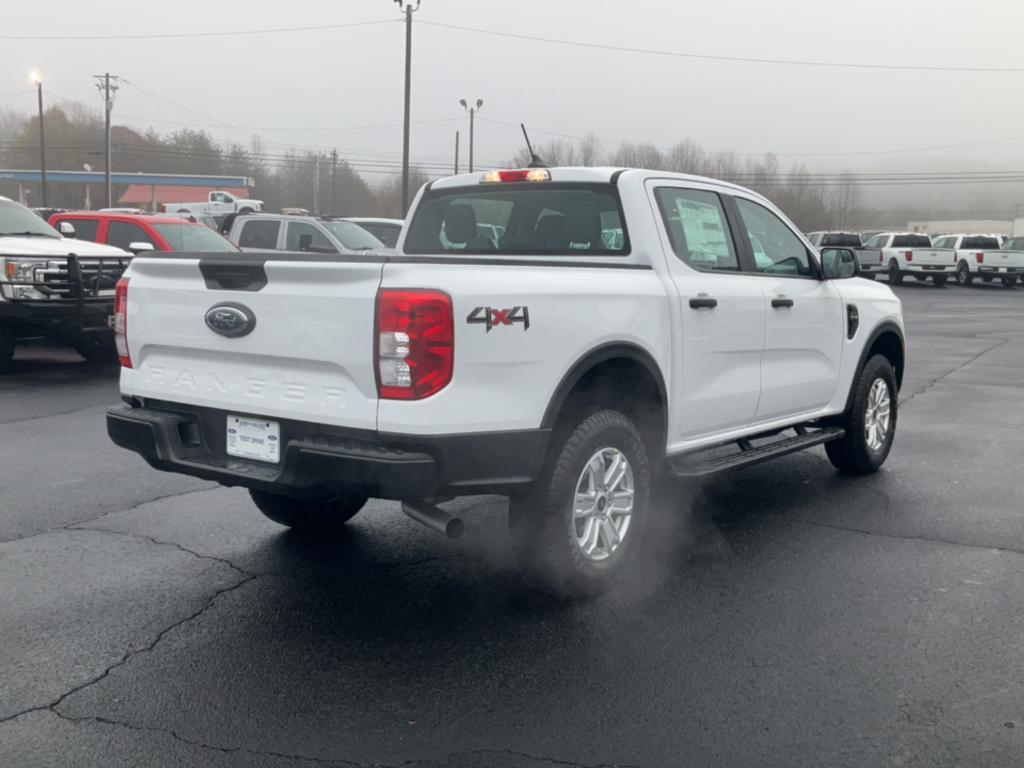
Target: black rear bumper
<point x="319" y="461"/>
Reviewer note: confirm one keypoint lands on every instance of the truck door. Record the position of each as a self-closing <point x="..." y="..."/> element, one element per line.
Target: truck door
<point x="805" y="316"/>
<point x="716" y="376"/>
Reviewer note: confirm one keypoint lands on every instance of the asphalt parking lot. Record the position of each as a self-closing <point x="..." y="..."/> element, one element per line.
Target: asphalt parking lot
<point x="799" y="619"/>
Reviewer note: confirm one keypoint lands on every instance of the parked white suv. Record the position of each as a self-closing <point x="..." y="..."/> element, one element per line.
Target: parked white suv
<point x="269" y="232"/>
<point x="620" y="326"/>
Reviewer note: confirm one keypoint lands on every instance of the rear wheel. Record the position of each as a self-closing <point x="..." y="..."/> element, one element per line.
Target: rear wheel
<point x="939" y="280"/>
<point x="327" y="516"/>
<point x="870" y="423"/>
<point x="895" y="276"/>
<point x="963" y="274"/>
<point x="583" y="526"/>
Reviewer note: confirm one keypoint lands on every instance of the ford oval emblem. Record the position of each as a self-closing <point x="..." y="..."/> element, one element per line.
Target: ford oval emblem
<point x="231" y="320"/>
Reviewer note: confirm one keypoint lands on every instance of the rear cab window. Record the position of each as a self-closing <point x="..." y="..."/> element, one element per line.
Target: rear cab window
<point x="980" y="244"/>
<point x="840" y="240"/>
<point x="911" y="241"/>
<point x="524" y="218"/>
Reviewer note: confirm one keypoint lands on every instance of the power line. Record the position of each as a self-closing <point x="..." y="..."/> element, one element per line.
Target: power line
<point x="178" y="35"/>
<point x="714" y="57"/>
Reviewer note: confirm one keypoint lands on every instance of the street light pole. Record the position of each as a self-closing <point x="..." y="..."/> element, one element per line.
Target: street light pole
<point x="408" y="8"/>
<point x="38" y="80"/>
<point x="472" y="115"/>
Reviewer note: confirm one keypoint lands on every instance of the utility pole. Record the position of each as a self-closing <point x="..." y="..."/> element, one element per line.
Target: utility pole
<point x="472" y="114"/>
<point x="108" y="85"/>
<point x="38" y="80"/>
<point x="409" y="9"/>
<point x="456" y="153"/>
<point x="334" y="182"/>
<point x="316" y="188"/>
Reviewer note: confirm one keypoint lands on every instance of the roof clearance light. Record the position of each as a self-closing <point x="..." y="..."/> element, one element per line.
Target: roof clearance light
<point x="523" y="174"/>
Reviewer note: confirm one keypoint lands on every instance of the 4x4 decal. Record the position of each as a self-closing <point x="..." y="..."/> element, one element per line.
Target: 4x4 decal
<point x="492" y="317"/>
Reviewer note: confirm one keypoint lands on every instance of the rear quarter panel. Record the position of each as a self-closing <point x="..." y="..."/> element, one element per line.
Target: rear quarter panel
<point x="505" y="377"/>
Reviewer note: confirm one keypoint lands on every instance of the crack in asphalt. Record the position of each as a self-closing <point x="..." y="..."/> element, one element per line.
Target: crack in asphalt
<point x="132" y="653"/>
<point x="173" y="544"/>
<point x="911" y="537"/>
<point x="72" y="526"/>
<point x="939" y="379"/>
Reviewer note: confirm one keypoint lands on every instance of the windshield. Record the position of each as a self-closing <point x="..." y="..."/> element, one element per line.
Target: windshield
<point x="841" y="240"/>
<point x="354" y="237"/>
<point x="519" y="219"/>
<point x="911" y="241"/>
<point x="16" y="219"/>
<point x="190" y="237"/>
<point x="980" y="243"/>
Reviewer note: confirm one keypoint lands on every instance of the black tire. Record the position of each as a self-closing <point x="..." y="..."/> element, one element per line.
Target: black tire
<point x="963" y="274"/>
<point x="97" y="351"/>
<point x="852" y="454"/>
<point x="940" y="280"/>
<point x="895" y="276"/>
<point x="323" y="517"/>
<point x="7" y="345"/>
<point x="544" y="528"/>
<point x="1009" y="282"/>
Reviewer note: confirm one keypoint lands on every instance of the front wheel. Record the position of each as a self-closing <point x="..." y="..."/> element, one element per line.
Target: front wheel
<point x="583" y="526"/>
<point x="324" y="517"/>
<point x="939" y="280"/>
<point x="870" y="422"/>
<point x="7" y="345"/>
<point x="895" y="276"/>
<point x="97" y="351"/>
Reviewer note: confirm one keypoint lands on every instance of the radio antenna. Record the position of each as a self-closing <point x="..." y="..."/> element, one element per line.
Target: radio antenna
<point x="535" y="162"/>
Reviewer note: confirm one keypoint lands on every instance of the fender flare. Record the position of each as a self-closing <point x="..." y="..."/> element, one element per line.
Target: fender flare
<point x="886" y="326"/>
<point x="595" y="357"/>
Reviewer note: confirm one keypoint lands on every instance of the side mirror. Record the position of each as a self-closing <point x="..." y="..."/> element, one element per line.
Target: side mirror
<point x="140" y="247"/>
<point x="838" y="263"/>
<point x="305" y="242"/>
<point x="66" y="228"/>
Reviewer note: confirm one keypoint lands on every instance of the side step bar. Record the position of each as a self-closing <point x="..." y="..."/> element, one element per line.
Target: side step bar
<point x="699" y="464"/>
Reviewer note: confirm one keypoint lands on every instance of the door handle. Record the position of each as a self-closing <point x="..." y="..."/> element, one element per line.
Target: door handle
<point x="703" y="301"/>
<point x="781" y="302"/>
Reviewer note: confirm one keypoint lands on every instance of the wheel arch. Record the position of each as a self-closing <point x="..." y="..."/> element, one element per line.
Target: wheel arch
<point x="887" y="340"/>
<point x="581" y="386"/>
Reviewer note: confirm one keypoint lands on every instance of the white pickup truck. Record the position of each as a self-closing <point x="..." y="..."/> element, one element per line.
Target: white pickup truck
<point x="217" y="204"/>
<point x="619" y="327"/>
<point x="982" y="257"/>
<point x="900" y="254"/>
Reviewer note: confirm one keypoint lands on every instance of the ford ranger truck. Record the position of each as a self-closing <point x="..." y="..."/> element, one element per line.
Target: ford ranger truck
<point x="903" y="254"/>
<point x="982" y="257"/>
<point x="54" y="287"/>
<point x="620" y="327"/>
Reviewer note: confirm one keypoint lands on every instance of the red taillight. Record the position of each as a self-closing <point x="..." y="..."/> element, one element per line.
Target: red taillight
<point x="980" y="258"/>
<point x="121" y="322"/>
<point x="415" y="345"/>
<point x="909" y="255"/>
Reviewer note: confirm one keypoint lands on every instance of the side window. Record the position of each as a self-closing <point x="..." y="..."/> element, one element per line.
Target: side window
<point x="220" y="197"/>
<point x="389" y="235"/>
<point x="777" y="249"/>
<point x="124" y="233"/>
<point x="303" y="236"/>
<point x="85" y="229"/>
<point x="258" y="233"/>
<point x="815" y="238"/>
<point x="697" y="228"/>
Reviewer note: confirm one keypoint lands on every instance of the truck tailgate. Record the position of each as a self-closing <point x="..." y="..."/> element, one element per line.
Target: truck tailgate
<point x="308" y="357"/>
<point x="929" y="257"/>
<point x="1003" y="259"/>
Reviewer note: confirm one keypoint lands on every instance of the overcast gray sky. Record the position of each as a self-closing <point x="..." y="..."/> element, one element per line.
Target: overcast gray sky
<point x="305" y="88"/>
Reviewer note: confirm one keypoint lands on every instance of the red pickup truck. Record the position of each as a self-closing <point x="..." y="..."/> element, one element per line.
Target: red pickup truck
<point x="138" y="232"/>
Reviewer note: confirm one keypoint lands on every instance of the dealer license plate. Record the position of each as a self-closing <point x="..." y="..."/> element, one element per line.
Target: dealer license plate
<point x="254" y="439"/>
